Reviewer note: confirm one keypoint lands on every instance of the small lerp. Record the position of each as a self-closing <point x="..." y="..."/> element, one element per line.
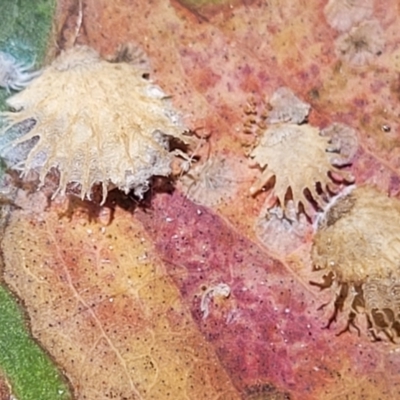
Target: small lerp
<point x="296" y="156"/>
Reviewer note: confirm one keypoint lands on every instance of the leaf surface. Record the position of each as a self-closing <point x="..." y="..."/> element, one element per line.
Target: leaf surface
<point x="120" y="303"/>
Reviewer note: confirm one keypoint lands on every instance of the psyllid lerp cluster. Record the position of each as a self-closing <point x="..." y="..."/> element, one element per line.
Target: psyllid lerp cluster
<point x="93" y="122"/>
<point x="96" y="122"/>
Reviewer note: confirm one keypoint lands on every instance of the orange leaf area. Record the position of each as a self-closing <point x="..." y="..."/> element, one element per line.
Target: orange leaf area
<point x="101" y="303"/>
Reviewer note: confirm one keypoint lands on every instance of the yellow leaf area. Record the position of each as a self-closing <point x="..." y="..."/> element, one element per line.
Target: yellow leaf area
<point x="102" y="305"/>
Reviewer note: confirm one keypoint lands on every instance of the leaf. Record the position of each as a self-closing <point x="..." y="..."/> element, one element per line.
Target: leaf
<point x="30" y="371"/>
<point x="102" y="302"/>
<point x="267" y="331"/>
